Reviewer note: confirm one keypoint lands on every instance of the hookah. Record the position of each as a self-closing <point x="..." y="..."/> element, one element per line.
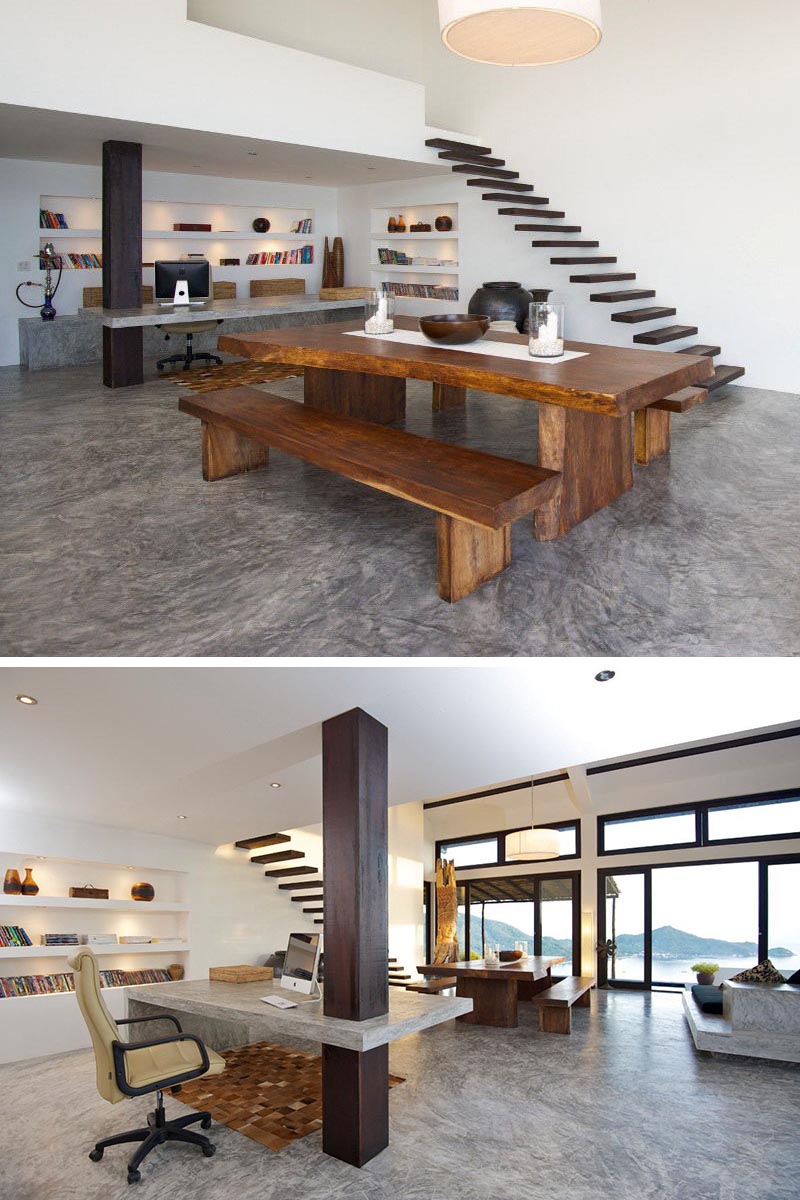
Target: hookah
<point x="51" y="262"/>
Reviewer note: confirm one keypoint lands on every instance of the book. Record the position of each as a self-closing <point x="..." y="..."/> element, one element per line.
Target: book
<point x="14" y="935"/>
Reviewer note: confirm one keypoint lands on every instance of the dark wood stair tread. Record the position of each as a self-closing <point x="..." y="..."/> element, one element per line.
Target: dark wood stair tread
<point x="667" y="333"/>
<point x="634" y="316"/>
<point x="511" y="185"/>
<point x="465" y="157"/>
<point x="577" y="262"/>
<point x="550" y="229"/>
<point x="318" y="921"/>
<point x="292" y="871"/>
<point x="308" y="885"/>
<point x="279" y="856"/>
<point x="313" y="910"/>
<point x="682" y="401"/>
<point x="701" y="350"/>
<point x="500" y="197"/>
<point x="551" y="214"/>
<point x="305" y="899"/>
<point x="722" y="376"/>
<point x="397" y="982"/>
<point x="566" y="242"/>
<point x="399" y="977"/>
<point x="266" y="839"/>
<point x="439" y="143"/>
<point x="622" y="297"/>
<point x="490" y="172"/>
<point x="618" y="276"/>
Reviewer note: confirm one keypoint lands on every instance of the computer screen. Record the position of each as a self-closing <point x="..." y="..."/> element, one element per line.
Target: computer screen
<point x="196" y="274"/>
<point x="300" y="965"/>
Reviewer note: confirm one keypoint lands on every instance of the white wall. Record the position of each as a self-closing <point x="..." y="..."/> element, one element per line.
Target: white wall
<point x="22" y="183"/>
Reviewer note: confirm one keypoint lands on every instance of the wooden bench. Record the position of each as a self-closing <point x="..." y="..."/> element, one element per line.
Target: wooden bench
<point x="432" y="985"/>
<point x="556" y="1002"/>
<point x="476" y="495"/>
<point x="651" y="425"/>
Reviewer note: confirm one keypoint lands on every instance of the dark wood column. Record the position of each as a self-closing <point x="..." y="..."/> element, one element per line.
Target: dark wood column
<point x="355" y="1120"/>
<point x="122" y="259"/>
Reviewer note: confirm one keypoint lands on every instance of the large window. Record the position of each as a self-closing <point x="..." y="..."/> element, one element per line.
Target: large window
<point x="765" y="817"/>
<point x="489" y="849"/>
<point x="541" y="910"/>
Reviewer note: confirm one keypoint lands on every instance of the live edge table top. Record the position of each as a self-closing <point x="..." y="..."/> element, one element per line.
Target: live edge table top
<point x="612" y="380"/>
<point x="528" y="969"/>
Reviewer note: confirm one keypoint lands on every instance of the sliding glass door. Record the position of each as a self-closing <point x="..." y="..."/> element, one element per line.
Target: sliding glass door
<point x="623" y="929"/>
<point x="541" y="910"/>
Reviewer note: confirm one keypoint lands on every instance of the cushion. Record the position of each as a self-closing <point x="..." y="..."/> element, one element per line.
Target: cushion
<point x="149" y="1065"/>
<point x="794" y="980"/>
<point x="765" y="972"/>
<point x="708" y="999"/>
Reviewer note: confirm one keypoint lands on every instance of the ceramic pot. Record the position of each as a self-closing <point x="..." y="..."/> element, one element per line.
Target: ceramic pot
<point x="175" y="971"/>
<point x="29" y="885"/>
<point x="143" y="891"/>
<point x="392" y="226"/>
<point x="11" y="884"/>
<point x="706" y="978"/>
<point x="401" y="224"/>
<point x="502" y="301"/>
<point x="444" y="224"/>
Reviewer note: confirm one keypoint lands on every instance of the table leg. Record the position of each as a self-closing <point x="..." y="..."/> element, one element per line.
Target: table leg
<point x="494" y="1001"/>
<point x="594" y="454"/>
<point x="378" y="398"/>
<point x="446" y="396"/>
<point x="355" y="1103"/>
<point x="651" y="434"/>
<point x="122" y="356"/>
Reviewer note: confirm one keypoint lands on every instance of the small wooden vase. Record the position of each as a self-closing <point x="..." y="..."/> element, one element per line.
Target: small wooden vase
<point x="401" y="224"/>
<point x="143" y="891"/>
<point x="29" y="885"/>
<point x="392" y="226"/>
<point x="11" y="884"/>
<point x="338" y="261"/>
<point x="328" y="272"/>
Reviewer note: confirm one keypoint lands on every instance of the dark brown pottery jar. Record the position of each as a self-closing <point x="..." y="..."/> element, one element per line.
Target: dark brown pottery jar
<point x="502" y="300"/>
<point x="11" y="884"/>
<point x="143" y="891"/>
<point x="444" y="224"/>
<point x="29" y="885"/>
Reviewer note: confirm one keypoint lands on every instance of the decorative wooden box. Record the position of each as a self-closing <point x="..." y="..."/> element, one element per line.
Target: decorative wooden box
<point x="88" y="893"/>
<point x="242" y="974"/>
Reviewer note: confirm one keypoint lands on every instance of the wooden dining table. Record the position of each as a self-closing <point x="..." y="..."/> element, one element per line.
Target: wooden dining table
<point x="495" y="991"/>
<point x="584" y="403"/>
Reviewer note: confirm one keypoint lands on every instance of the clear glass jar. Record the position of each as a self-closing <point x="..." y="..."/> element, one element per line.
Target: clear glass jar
<point x="546" y="330"/>
<point x="379" y="312"/>
<point x="523" y="947"/>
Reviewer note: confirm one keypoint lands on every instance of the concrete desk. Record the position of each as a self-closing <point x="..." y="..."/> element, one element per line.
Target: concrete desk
<point x="92" y="333"/>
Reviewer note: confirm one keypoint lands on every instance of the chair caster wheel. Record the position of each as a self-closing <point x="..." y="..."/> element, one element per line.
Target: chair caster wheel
<point x="134" y="1176"/>
<point x="209" y="1151"/>
<point x="205" y="1123"/>
<point x="96" y="1154"/>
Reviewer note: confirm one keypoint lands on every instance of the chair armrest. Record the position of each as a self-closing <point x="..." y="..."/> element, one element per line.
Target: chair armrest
<point x="141" y="1020"/>
<point x="120" y="1049"/>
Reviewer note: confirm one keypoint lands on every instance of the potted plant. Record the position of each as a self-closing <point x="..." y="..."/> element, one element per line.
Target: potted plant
<point x="705" y="972"/>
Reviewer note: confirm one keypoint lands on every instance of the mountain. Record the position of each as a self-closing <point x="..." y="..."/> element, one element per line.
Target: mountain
<point x="669" y="942"/>
<point x="498" y="933"/>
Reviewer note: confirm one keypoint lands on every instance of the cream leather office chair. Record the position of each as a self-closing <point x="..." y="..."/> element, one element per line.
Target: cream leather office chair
<point x="138" y="1068"/>
<point x="221" y="289"/>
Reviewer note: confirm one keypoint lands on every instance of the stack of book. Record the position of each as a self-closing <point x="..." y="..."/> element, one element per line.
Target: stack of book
<point x="59" y="939"/>
<point x="44" y="985"/>
<point x="386" y="256"/>
<point x="98" y="939"/>
<point x="422" y="291"/>
<point x="14" y="935"/>
<point x="132" y="978"/>
<point x="302" y="226"/>
<point x="282" y="258"/>
<point x="434" y="262"/>
<point x="134" y="939"/>
<point x="51" y="220"/>
<point x="77" y="262"/>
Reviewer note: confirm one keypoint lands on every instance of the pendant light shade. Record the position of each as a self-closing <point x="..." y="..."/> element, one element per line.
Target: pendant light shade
<point x="532" y="844"/>
<point x="508" y="33"/>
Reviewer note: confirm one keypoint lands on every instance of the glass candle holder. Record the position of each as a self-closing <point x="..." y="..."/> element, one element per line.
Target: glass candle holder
<point x="523" y="946"/>
<point x="379" y="312"/>
<point x="491" y="954"/>
<point x="546" y="330"/>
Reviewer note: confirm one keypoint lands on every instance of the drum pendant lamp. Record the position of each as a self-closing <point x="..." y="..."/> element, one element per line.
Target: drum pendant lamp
<point x="532" y="844"/>
<point x="509" y="34"/>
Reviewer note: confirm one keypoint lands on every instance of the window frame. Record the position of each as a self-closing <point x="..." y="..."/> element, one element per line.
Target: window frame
<point x="500" y="835"/>
<point x="539" y="877"/>
<point x="701" y="810"/>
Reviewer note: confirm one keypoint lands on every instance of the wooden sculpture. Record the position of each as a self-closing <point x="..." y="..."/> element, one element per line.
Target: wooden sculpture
<point x="446" y="913"/>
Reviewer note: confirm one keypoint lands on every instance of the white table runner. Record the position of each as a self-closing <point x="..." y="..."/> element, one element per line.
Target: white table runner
<point x="498" y="349"/>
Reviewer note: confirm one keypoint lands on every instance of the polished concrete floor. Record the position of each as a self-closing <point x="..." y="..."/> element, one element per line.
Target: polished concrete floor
<point x="113" y="545"/>
<point x="624" y="1108"/>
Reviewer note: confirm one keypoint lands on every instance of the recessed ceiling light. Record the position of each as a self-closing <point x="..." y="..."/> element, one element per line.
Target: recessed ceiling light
<point x="23" y="699"/>
<point x="604" y="676"/>
<point x="182" y="817"/>
<point x="276" y="785"/>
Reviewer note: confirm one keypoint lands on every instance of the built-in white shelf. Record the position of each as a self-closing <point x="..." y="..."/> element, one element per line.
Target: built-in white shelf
<point x="394" y="268"/>
<point x="162" y="947"/>
<point x="142" y="906"/>
<point x="452" y="236"/>
<point x="185" y="235"/>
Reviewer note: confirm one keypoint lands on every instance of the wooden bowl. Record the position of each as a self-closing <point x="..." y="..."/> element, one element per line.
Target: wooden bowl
<point x="510" y="955"/>
<point x="454" y="329"/>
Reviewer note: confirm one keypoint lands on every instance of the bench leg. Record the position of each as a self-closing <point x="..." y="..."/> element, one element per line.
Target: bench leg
<point x="555" y="1020"/>
<point x="585" y="1000"/>
<point x="445" y="396"/>
<point x="651" y="434"/>
<point x="226" y="453"/>
<point x="468" y="555"/>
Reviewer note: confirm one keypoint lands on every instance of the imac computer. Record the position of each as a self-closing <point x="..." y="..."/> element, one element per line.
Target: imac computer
<point x="184" y="282"/>
<point x="301" y="963"/>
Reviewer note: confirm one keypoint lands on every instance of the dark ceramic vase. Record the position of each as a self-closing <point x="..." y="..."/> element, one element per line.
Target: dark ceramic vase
<point x="11" y="884"/>
<point x="444" y="224"/>
<point x="29" y="885"/>
<point x="502" y="301"/>
<point x="143" y="891"/>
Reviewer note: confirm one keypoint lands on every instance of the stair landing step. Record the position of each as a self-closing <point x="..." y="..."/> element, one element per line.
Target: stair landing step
<point x="279" y="856"/>
<point x="667" y="333"/>
<point x="308" y="885"/>
<point x="566" y="242"/>
<point x="551" y="229"/>
<point x="292" y="871"/>
<point x="491" y="172"/>
<point x="682" y="401"/>
<point x="266" y="839"/>
<point x="551" y="214"/>
<point x="702" y="351"/>
<point x="722" y="376"/>
<point x="577" y="262"/>
<point x="622" y="297"/>
<point x="465" y="157"/>
<point x="509" y="184"/>
<point x="633" y="316"/>
<point x="619" y="276"/>
<point x="439" y="143"/>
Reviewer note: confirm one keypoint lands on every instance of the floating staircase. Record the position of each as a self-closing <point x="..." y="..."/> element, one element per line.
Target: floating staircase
<point x="476" y="161"/>
<point x="293" y="877"/>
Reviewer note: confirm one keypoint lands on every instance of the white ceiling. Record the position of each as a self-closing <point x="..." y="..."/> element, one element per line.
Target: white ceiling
<point x="135" y="746"/>
<point x="46" y="136"/>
